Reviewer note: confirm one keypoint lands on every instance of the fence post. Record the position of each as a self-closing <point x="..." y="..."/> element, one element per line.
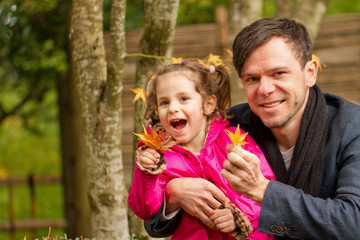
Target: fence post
<point x="32" y="203"/>
<point x="11" y="212"/>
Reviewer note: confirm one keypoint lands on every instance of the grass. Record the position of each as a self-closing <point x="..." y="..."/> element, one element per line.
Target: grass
<point x="24" y="153"/>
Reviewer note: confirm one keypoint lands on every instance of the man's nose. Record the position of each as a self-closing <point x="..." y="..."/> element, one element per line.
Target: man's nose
<point x="266" y="86"/>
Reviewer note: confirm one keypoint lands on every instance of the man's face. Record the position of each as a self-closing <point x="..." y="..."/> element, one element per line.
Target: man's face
<point x="275" y="84"/>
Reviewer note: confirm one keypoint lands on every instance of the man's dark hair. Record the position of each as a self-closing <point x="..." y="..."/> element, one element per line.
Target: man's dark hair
<point x="261" y="31"/>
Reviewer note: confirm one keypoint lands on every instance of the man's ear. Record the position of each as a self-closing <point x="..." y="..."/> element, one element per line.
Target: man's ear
<point x="311" y="70"/>
<point x="210" y="105"/>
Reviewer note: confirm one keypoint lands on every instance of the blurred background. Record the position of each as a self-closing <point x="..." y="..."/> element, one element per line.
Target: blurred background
<point x="34" y="63"/>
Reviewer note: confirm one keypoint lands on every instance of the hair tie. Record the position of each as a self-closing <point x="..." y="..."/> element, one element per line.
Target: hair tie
<point x="212" y="69"/>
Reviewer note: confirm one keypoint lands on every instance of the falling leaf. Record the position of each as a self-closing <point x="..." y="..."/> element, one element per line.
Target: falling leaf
<point x="156" y="140"/>
<point x="229" y="52"/>
<point x="317" y="59"/>
<point x="139" y="94"/>
<point x="176" y="60"/>
<point x="3" y="173"/>
<point x="237" y="139"/>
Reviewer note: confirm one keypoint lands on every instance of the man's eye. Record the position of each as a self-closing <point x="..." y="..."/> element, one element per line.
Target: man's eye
<point x="279" y="74"/>
<point x="252" y="79"/>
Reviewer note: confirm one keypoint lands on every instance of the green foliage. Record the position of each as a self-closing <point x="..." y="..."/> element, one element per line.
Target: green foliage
<point x="33" y="53"/>
<point x="194" y="11"/>
<point x="36" y="154"/>
<point x="341" y="6"/>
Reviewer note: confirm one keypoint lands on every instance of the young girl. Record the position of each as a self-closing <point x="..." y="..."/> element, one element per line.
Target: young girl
<point x="190" y="101"/>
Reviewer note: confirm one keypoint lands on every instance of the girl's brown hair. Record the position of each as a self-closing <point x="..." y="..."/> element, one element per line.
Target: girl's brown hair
<point x="206" y="83"/>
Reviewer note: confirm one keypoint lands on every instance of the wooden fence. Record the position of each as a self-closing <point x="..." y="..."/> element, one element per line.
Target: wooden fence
<point x="13" y="224"/>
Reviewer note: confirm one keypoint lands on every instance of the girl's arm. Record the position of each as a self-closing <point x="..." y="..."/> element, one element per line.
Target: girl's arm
<point x="147" y="190"/>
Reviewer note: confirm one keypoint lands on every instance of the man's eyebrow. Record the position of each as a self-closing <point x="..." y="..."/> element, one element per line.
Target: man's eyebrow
<point x="274" y="69"/>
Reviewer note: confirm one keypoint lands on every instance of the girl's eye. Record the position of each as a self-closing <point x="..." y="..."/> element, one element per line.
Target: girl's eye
<point x="184" y="98"/>
<point x="163" y="103"/>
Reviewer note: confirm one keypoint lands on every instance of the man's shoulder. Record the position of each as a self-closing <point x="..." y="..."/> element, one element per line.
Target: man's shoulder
<point x="340" y="108"/>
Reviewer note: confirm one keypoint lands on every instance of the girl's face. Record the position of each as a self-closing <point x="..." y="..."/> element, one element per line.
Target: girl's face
<point x="181" y="109"/>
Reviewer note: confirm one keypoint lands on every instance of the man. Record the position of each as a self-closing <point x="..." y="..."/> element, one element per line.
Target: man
<point x="311" y="140"/>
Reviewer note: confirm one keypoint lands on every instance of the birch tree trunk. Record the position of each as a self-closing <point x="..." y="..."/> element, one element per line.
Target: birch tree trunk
<point x="100" y="98"/>
<point x="242" y="13"/>
<point x="310" y="13"/>
<point x="283" y="8"/>
<point x="157" y="39"/>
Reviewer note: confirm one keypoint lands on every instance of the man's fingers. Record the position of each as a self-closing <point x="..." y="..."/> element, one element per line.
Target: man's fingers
<point x="217" y="195"/>
<point x="244" y="154"/>
<point x="229" y="176"/>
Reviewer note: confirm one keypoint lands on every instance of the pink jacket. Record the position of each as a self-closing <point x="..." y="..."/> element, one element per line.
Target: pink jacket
<point x="146" y="194"/>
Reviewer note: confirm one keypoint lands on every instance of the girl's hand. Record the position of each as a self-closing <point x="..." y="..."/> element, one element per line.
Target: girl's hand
<point x="224" y="220"/>
<point x="148" y="158"/>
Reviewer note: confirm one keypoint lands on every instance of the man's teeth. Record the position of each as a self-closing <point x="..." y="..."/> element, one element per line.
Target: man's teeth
<point x="272" y="104"/>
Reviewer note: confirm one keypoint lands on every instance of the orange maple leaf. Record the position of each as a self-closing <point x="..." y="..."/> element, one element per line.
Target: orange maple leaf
<point x="156" y="140"/>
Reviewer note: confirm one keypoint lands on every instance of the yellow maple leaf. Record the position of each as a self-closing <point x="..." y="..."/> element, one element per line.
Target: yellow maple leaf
<point x="139" y="94"/>
<point x="155" y="140"/>
<point x="215" y="59"/>
<point x="212" y="59"/>
<point x="237" y="139"/>
<point x="176" y="60"/>
<point x="317" y="59"/>
<point x="206" y="64"/>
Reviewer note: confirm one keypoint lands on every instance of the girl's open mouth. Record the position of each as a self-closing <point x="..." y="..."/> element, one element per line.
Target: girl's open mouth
<point x="178" y="124"/>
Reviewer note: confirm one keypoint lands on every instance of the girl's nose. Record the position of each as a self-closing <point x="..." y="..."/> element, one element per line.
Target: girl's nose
<point x="173" y="107"/>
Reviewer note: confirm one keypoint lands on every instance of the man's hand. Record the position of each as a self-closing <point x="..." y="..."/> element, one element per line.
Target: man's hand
<point x="242" y="170"/>
<point x="196" y="196"/>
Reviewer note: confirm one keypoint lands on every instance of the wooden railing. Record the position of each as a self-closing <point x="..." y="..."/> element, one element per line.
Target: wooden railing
<point x="32" y="224"/>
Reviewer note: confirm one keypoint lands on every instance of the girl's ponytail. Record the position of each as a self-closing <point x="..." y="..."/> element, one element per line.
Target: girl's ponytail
<point x="223" y="92"/>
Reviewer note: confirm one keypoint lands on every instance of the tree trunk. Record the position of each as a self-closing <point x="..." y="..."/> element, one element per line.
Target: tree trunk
<point x="242" y="13"/>
<point x="283" y="8"/>
<point x="100" y="98"/>
<point x="310" y="13"/>
<point x="159" y="31"/>
<point x="77" y="209"/>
